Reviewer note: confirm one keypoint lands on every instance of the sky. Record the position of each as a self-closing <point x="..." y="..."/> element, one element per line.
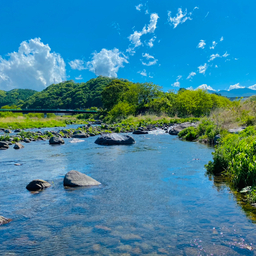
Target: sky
<point x="172" y="43"/>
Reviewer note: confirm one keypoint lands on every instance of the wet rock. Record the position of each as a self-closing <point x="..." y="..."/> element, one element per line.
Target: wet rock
<point x="56" y="141"/>
<point x="26" y="140"/>
<point x="80" y="135"/>
<point x="7" y="131"/>
<point x="78" y="179"/>
<point x="18" y="145"/>
<point x="37" y="185"/>
<point x="4" y="220"/>
<point x="17" y="130"/>
<point x="175" y="129"/>
<point x="3" y="145"/>
<point x="140" y="132"/>
<point x="236" y="130"/>
<point x="115" y="139"/>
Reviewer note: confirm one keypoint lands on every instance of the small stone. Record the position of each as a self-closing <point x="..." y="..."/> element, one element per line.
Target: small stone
<point x="37" y="185"/>
<point x="18" y="145"/>
<point x="56" y="141"/>
<point x="4" y="220"/>
<point x="4" y="145"/>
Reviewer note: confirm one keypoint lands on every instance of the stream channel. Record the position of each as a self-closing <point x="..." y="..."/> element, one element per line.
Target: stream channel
<point x="155" y="199"/>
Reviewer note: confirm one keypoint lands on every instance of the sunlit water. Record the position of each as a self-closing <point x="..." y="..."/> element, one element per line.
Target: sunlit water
<point x="154" y="200"/>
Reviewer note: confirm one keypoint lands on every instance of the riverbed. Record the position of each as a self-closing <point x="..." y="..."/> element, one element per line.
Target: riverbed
<point x="155" y="199"/>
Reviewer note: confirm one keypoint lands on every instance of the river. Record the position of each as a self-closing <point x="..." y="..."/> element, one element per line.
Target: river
<point x="155" y="199"/>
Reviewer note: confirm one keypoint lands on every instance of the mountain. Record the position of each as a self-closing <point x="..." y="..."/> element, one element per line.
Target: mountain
<point x="15" y="96"/>
<point x="241" y="92"/>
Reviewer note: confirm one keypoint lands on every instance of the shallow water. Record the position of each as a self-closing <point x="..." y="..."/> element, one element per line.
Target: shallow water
<point x="154" y="200"/>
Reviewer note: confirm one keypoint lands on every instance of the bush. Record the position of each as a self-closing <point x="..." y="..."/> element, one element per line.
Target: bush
<point x="190" y="133"/>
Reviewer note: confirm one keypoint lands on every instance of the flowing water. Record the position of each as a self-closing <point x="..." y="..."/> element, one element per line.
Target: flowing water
<point x="155" y="199"/>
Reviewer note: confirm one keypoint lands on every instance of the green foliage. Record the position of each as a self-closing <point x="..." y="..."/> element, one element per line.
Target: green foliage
<point x="189" y="134"/>
<point x="236" y="158"/>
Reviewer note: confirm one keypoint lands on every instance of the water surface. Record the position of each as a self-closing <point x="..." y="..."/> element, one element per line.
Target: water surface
<point x="154" y="200"/>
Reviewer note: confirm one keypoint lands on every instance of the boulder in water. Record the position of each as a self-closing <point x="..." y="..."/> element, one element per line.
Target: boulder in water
<point x="78" y="179"/>
<point x="18" y="145"/>
<point x="115" y="139"/>
<point x="4" y="145"/>
<point x="175" y="129"/>
<point x="4" y="220"/>
<point x="56" y="141"/>
<point x="37" y="185"/>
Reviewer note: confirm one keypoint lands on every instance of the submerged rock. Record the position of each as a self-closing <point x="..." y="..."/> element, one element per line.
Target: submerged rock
<point x="4" y="220"/>
<point x="78" y="179"/>
<point x="56" y="140"/>
<point x="115" y="139"/>
<point x="37" y="185"/>
<point x="4" y="145"/>
<point x="18" y="145"/>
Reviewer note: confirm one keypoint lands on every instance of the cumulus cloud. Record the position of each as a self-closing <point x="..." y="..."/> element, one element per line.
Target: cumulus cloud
<point x="214" y="56"/>
<point x="190" y="88"/>
<point x="152" y="59"/>
<point x="33" y="66"/>
<point x="252" y="87"/>
<point x="180" y="17"/>
<point x="202" y="68"/>
<point x="135" y="38"/>
<point x="143" y="72"/>
<point x="177" y="83"/>
<point x="138" y="7"/>
<point x="107" y="62"/>
<point x="205" y="87"/>
<point x="151" y="41"/>
<point x="201" y="44"/>
<point x="191" y="75"/>
<point x="79" y="77"/>
<point x="213" y="45"/>
<point x="235" y="86"/>
<point x="77" y="64"/>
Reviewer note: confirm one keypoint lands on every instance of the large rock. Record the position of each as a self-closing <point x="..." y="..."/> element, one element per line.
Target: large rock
<point x="175" y="129"/>
<point x="37" y="185"/>
<point x="4" y="145"/>
<point x="4" y="220"/>
<point x="78" y="179"/>
<point x="115" y="139"/>
<point x="236" y="130"/>
<point x="80" y="135"/>
<point x="56" y="140"/>
<point x="18" y="145"/>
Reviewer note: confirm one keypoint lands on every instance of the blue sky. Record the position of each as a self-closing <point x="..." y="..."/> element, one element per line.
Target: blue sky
<point x="171" y="43"/>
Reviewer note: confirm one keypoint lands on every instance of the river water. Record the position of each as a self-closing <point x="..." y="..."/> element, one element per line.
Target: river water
<point x="155" y="199"/>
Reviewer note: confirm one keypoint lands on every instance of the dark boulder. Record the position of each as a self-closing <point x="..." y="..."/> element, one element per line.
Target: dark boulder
<point x="4" y="220"/>
<point x="115" y="139"/>
<point x="18" y="145"/>
<point x="37" y="185"/>
<point x="80" y="135"/>
<point x="26" y="140"/>
<point x="4" y="145"/>
<point x="7" y="131"/>
<point x="17" y="130"/>
<point x="140" y="132"/>
<point x="175" y="129"/>
<point x="78" y="179"/>
<point x="56" y="141"/>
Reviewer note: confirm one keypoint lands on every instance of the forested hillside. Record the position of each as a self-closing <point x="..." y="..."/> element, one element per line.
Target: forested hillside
<point x="15" y="96"/>
<point x="69" y="95"/>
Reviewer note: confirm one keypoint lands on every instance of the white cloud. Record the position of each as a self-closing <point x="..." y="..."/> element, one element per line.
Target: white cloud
<point x="201" y="44"/>
<point x="177" y="83"/>
<point x="143" y="72"/>
<point x="205" y="87"/>
<point x="77" y="64"/>
<point x="138" y="7"/>
<point x="79" y="77"/>
<point x="252" y="87"/>
<point x="34" y="66"/>
<point x="235" y="86"/>
<point x="149" y="57"/>
<point x="214" y="56"/>
<point x="180" y="17"/>
<point x="202" y="68"/>
<point x="225" y="55"/>
<point x="135" y="37"/>
<point x="190" y="88"/>
<point x="221" y="39"/>
<point x="191" y="75"/>
<point x="213" y="45"/>
<point x="107" y="62"/>
<point x="151" y="41"/>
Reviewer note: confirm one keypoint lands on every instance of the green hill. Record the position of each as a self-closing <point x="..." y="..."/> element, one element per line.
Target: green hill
<point x="15" y="96"/>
